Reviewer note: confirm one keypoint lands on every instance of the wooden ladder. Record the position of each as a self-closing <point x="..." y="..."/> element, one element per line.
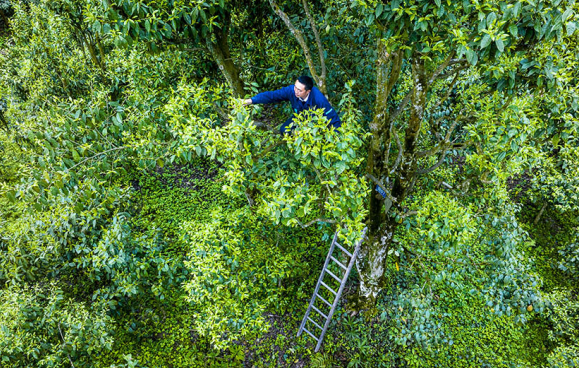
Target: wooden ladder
<point x="324" y="321"/>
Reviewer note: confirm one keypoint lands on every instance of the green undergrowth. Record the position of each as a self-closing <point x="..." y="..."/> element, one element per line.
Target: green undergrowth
<point x="231" y="266"/>
<point x="160" y="332"/>
<point x="167" y="197"/>
<point x="552" y="337"/>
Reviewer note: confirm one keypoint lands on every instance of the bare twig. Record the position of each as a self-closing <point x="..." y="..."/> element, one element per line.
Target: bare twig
<point x="98" y="154"/>
<point x="314" y="221"/>
<point x="540" y="214"/>
<point x="441" y="68"/>
<point x="453" y="71"/>
<point x="267" y="150"/>
<point x="322" y="180"/>
<point x="447" y="92"/>
<point x="435" y="166"/>
<point x="62" y="337"/>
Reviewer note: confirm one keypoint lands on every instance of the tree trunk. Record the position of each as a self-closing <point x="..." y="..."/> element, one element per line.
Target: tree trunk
<point x="371" y="264"/>
<point x="220" y="51"/>
<point x="4" y="122"/>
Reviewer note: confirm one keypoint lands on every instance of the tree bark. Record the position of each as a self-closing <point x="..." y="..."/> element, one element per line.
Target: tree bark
<point x="374" y="252"/>
<point x="382" y="226"/>
<point x="220" y="51"/>
<point x="3" y="120"/>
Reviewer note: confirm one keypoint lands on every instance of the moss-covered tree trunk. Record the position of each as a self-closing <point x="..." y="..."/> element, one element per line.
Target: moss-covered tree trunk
<point x="395" y="176"/>
<point x="220" y="51"/>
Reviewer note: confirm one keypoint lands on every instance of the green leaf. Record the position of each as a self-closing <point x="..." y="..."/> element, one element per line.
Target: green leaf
<point x="567" y="13"/>
<point x="491" y="18"/>
<point x="11" y="196"/>
<point x="379" y="10"/>
<point x="571" y="27"/>
<point x="471" y="57"/>
<point x="438" y="3"/>
<point x="514" y="30"/>
<point x="486" y="40"/>
<point x="517" y="9"/>
<point x="96" y="26"/>
<point x="500" y="45"/>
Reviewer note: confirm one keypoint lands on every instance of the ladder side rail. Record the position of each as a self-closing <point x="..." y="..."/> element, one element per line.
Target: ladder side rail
<point x="342" y="285"/>
<point x="312" y="300"/>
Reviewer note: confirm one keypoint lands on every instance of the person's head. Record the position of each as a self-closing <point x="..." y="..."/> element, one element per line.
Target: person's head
<point x="303" y="86"/>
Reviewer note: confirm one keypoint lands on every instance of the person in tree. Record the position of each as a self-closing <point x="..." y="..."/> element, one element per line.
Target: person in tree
<point x="303" y="96"/>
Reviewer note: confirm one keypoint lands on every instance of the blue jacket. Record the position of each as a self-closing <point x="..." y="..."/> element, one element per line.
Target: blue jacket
<point x="315" y="99"/>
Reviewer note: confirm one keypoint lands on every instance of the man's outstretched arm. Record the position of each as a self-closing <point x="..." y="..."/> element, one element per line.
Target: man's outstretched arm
<point x="282" y="94"/>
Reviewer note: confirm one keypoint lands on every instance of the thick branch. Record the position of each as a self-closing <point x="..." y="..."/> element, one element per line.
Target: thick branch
<point x="379" y="183"/>
<point x="322" y="82"/>
<point x="401" y="107"/>
<point x="299" y="37"/>
<point x="441" y="68"/>
<point x="220" y="52"/>
<point x="395" y="72"/>
<point x="400" y="151"/>
<point x="435" y="166"/>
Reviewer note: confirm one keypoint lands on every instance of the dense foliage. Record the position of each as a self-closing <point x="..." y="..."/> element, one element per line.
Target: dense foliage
<point x="150" y="219"/>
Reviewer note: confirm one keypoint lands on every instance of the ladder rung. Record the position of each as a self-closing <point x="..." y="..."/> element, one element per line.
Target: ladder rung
<point x="324" y="300"/>
<point x="344" y="250"/>
<point x="311" y="334"/>
<point x="320" y="312"/>
<point x="329" y="288"/>
<point x="338" y="262"/>
<point x="314" y="322"/>
<point x="334" y="276"/>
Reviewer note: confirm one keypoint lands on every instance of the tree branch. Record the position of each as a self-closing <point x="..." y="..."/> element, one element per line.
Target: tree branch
<point x="314" y="221"/>
<point x="62" y="337"/>
<point x="536" y="221"/>
<point x="400" y="151"/>
<point x="395" y="71"/>
<point x="441" y="68"/>
<point x="447" y="92"/>
<point x="379" y="183"/>
<point x="322" y="82"/>
<point x="432" y="168"/>
<point x="98" y="154"/>
<point x="298" y="36"/>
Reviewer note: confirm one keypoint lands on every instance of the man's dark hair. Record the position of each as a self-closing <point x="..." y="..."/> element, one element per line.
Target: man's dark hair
<point x="306" y="81"/>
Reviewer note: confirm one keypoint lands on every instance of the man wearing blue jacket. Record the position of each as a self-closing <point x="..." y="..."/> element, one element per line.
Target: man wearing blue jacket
<point x="303" y="96"/>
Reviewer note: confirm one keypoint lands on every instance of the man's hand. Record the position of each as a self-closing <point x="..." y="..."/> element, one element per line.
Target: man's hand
<point x="247" y="101"/>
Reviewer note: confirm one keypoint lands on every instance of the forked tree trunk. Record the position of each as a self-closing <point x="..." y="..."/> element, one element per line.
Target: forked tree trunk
<point x="382" y="223"/>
